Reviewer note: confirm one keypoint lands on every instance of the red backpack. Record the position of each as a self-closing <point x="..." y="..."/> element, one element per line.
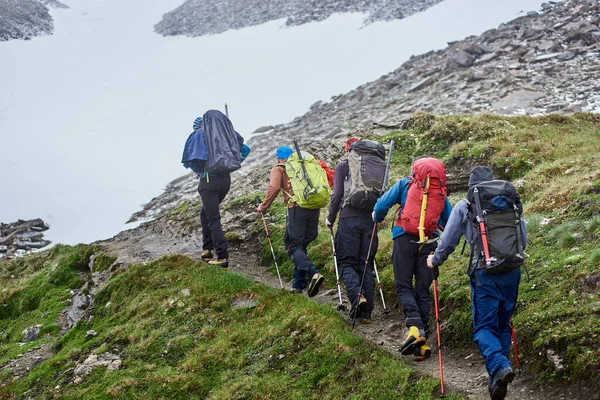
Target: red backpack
<point x="409" y="217"/>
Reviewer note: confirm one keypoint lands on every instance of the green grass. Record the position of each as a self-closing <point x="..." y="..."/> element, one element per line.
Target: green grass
<point x="35" y="290"/>
<point x="199" y="346"/>
<point x="556" y="158"/>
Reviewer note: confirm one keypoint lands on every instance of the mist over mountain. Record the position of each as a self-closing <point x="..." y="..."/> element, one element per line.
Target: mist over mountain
<point x="205" y="17"/>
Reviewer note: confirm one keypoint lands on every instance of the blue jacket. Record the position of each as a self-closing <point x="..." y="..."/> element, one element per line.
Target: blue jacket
<point x="457" y="226"/>
<point x="397" y="195"/>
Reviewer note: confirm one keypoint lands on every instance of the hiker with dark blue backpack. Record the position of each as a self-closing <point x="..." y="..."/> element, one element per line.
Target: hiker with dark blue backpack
<point x="490" y="219"/>
<point x="213" y="151"/>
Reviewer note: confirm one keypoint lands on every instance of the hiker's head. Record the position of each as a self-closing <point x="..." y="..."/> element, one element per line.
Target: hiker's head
<point x="283" y="153"/>
<point x="197" y="123"/>
<point x="349" y="142"/>
<point x="480" y="174"/>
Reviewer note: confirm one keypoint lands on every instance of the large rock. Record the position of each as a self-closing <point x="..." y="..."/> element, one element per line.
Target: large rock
<point x="30" y="334"/>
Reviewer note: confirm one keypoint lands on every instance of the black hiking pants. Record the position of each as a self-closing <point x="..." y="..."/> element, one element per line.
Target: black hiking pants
<point x="352" y="245"/>
<point x="409" y="262"/>
<point x="302" y="227"/>
<point x="213" y="189"/>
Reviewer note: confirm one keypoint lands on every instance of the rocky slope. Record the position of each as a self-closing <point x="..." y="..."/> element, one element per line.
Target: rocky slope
<point x="24" y="19"/>
<point x="204" y="17"/>
<point x="22" y="236"/>
<point x="539" y="63"/>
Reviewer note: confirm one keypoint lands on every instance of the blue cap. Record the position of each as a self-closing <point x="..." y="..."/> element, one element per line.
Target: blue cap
<point x="197" y="123"/>
<point x="283" y="152"/>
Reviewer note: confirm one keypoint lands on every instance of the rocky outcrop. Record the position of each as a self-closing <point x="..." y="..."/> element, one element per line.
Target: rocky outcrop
<point x="22" y="236"/>
<point x="24" y="19"/>
<point x="205" y="17"/>
<point x="546" y="62"/>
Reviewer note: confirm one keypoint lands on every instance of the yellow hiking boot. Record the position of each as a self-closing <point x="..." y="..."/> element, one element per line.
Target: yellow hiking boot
<point x="416" y="337"/>
<point x="220" y="262"/>
<point x="422" y="352"/>
<point x="207" y="255"/>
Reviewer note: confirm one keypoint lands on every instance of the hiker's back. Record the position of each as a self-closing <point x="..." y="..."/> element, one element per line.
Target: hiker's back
<point x="223" y="143"/>
<point x="308" y="193"/>
<point x="426" y="194"/>
<point x="366" y="171"/>
<point x="494" y="212"/>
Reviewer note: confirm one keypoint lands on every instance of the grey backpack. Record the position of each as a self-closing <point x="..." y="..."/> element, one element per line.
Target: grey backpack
<point x="366" y="162"/>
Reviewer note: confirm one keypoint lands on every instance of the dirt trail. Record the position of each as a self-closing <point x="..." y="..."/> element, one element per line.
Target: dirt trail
<point x="464" y="370"/>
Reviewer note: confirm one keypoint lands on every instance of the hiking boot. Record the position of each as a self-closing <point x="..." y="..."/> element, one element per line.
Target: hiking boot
<point x="422" y="352"/>
<point x="366" y="317"/>
<point x="315" y="283"/>
<point x="207" y="255"/>
<point x="296" y="290"/>
<point x="416" y="337"/>
<point x="498" y="387"/>
<point x="358" y="306"/>
<point x="220" y="262"/>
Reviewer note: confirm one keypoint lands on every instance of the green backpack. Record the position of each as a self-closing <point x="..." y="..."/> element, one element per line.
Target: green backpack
<point x="307" y="195"/>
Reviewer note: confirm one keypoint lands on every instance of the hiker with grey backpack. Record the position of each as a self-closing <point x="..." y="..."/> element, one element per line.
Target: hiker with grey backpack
<point x="490" y="219"/>
<point x="358" y="181"/>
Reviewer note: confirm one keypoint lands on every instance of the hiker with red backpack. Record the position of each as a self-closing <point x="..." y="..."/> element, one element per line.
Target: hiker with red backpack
<point x="213" y="151"/>
<point x="358" y="181"/>
<point x="303" y="182"/>
<point x="490" y="219"/>
<point x="424" y="207"/>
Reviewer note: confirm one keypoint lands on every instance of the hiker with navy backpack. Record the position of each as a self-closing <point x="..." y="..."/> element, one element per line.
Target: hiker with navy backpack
<point x="299" y="176"/>
<point x="358" y="181"/>
<point x="490" y="219"/>
<point x="424" y="207"/>
<point x="213" y="151"/>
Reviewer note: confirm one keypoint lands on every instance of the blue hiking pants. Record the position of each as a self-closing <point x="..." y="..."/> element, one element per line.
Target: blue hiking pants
<point x="494" y="301"/>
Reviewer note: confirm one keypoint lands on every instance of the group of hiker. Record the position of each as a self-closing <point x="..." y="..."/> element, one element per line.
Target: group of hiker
<point x="490" y="219"/>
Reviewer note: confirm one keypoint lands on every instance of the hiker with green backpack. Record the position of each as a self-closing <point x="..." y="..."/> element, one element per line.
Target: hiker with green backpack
<point x="424" y="207"/>
<point x="303" y="182"/>
<point x="490" y="219"/>
<point x="358" y="181"/>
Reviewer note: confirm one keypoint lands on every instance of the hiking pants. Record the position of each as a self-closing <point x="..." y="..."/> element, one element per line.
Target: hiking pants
<point x="352" y="244"/>
<point x="494" y="301"/>
<point x="409" y="262"/>
<point x="212" y="192"/>
<point x="302" y="227"/>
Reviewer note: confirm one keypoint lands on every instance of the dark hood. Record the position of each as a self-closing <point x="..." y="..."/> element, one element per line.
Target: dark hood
<point x="480" y="174"/>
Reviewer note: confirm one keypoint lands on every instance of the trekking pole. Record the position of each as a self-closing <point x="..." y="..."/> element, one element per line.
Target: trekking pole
<point x="482" y="230"/>
<point x="304" y="171"/>
<point x="362" y="281"/>
<point x="226" y="110"/>
<point x="437" y="325"/>
<point x="385" y="309"/>
<point x="516" y="349"/>
<point x="383" y="189"/>
<point x="256" y="203"/>
<point x="341" y="305"/>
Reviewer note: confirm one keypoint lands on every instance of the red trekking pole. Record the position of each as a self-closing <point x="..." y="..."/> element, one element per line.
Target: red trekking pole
<point x="515" y="348"/>
<point x="437" y="325"/>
